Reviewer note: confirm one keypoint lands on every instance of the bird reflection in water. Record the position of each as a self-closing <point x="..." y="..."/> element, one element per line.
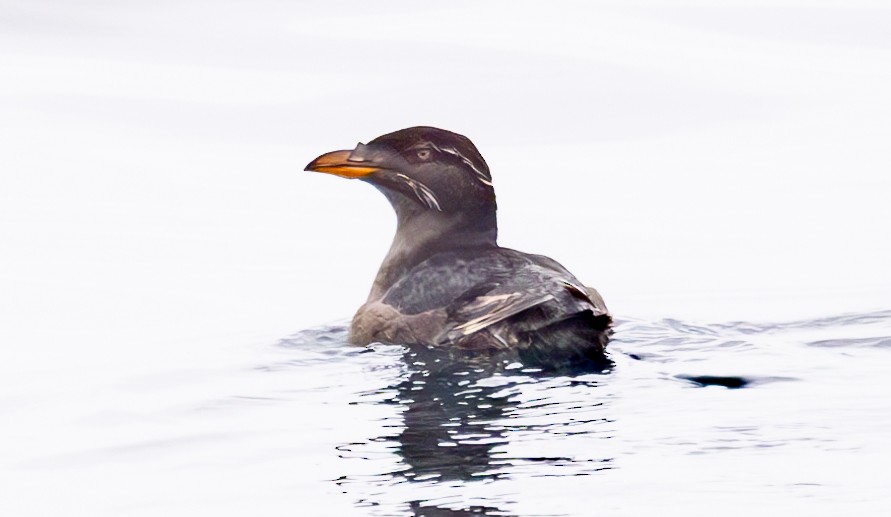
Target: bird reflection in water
<point x="459" y="415"/>
<point x="450" y="418"/>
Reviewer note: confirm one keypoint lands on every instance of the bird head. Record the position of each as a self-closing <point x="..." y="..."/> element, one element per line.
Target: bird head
<point x="421" y="170"/>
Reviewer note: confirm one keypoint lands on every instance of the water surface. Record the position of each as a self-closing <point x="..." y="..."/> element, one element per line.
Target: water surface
<point x="745" y="415"/>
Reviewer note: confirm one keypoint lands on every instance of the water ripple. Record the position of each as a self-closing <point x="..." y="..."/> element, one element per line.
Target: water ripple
<point x="460" y="436"/>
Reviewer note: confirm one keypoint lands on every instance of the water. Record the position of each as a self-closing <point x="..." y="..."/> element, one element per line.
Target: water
<point x="800" y="427"/>
<point x="744" y="416"/>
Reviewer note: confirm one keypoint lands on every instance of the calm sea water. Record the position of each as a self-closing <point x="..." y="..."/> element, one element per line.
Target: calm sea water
<point x="737" y="417"/>
<point x="743" y="416"/>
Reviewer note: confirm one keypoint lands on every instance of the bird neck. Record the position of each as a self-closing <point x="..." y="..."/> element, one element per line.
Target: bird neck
<point x="425" y="234"/>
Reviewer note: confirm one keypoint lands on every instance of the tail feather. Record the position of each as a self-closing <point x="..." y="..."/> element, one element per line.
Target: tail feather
<point x="579" y="339"/>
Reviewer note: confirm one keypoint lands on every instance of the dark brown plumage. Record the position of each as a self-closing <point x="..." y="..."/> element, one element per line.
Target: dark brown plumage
<point x="445" y="280"/>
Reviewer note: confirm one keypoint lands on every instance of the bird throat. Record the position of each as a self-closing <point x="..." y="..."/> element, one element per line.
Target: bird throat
<point x="424" y="235"/>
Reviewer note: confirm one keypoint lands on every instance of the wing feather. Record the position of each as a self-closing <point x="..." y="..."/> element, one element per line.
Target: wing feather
<point x="488" y="310"/>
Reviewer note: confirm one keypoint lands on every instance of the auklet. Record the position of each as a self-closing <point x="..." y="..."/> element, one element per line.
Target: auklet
<point x="445" y="281"/>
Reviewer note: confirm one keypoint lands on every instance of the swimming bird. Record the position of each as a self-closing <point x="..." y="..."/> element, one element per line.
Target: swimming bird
<point x="445" y="281"/>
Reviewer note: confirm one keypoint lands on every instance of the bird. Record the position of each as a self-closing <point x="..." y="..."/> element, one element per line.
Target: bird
<point x="445" y="281"/>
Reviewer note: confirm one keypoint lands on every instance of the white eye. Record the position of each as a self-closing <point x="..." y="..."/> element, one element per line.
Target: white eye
<point x="424" y="154"/>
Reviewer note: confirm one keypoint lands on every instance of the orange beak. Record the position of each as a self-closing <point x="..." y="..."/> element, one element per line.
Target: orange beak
<point x="339" y="164"/>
